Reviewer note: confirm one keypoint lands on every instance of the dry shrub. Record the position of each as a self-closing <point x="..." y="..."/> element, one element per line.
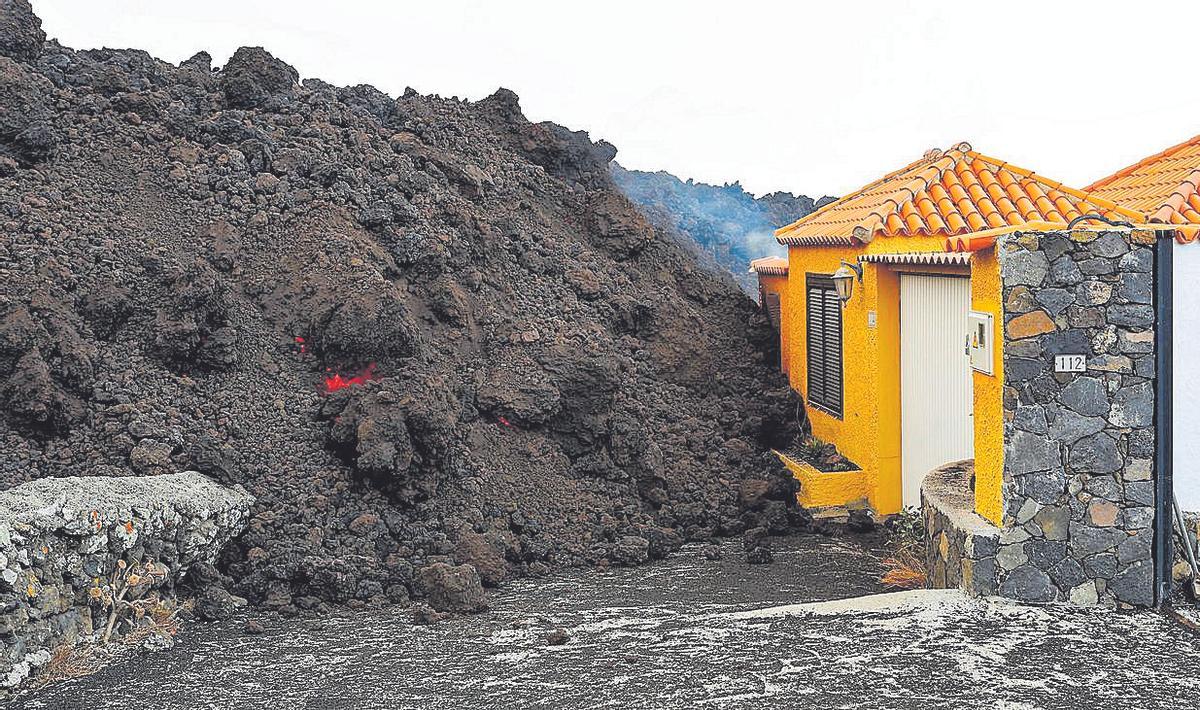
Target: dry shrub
<point x="68" y="662"/>
<point x="905" y="568"/>
<point x="128" y="595"/>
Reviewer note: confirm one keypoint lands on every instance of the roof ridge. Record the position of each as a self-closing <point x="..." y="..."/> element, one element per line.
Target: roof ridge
<point x="924" y="178"/>
<point x="1171" y="205"/>
<point x="1143" y="162"/>
<point x="876" y="182"/>
<point x="1062" y="187"/>
<point x="977" y="192"/>
<point x="930" y="156"/>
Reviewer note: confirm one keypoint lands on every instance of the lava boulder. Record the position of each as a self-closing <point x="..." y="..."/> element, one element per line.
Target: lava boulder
<point x="452" y="588"/>
<point x="252" y="77"/>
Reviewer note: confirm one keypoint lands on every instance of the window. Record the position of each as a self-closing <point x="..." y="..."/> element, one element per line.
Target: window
<point x="824" y="310"/>
<point x="773" y="308"/>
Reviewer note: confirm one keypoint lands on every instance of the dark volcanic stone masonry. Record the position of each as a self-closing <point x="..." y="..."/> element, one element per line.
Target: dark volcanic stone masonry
<point x="1079" y="490"/>
<point x="195" y="260"/>
<point x="60" y="537"/>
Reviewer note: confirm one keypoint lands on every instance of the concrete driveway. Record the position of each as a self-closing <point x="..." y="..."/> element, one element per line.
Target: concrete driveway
<point x="684" y="633"/>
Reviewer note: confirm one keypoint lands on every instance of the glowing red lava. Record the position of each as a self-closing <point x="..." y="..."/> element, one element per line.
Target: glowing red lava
<point x="336" y="382"/>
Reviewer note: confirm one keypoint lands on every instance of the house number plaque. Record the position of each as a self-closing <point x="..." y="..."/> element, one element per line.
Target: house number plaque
<point x="1070" y="363"/>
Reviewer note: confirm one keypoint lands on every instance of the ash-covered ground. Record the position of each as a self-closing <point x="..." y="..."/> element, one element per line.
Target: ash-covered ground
<point x="193" y="258"/>
<point x="686" y="632"/>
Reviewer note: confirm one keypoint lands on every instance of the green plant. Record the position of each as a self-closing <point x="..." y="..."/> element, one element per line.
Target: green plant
<point x="908" y="526"/>
<point x="813" y="448"/>
<point x="823" y="455"/>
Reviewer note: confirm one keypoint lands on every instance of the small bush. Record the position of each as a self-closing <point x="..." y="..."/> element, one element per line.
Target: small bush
<point x="131" y="600"/>
<point x="905" y="567"/>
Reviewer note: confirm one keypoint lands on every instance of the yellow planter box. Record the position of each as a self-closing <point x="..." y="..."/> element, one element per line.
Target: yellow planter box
<point x="820" y="489"/>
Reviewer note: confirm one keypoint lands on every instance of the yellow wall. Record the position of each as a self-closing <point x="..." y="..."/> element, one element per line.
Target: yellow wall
<point x="869" y="431"/>
<point x="777" y="284"/>
<point x="989" y="392"/>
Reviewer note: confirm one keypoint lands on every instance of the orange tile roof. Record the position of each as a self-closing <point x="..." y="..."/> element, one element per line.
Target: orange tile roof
<point x="950" y="194"/>
<point x="1163" y="188"/>
<point x="770" y="266"/>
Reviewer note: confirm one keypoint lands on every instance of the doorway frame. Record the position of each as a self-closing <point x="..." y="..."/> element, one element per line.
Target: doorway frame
<point x="900" y="366"/>
<point x="885" y="482"/>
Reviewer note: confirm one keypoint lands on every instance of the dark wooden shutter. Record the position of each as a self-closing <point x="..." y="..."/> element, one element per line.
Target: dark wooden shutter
<point x="774" y="311"/>
<point x="824" y="313"/>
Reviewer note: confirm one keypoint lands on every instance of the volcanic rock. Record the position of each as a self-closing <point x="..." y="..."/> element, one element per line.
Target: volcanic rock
<point x="398" y="322"/>
<point x="424" y="614"/>
<point x="452" y="588"/>
<point x="630" y="550"/>
<point x="252" y="77"/>
<point x="556" y="637"/>
<point x="21" y="34"/>
<point x="757" y="546"/>
<point x="485" y="556"/>
<point x="860" y="521"/>
<point x="26" y="135"/>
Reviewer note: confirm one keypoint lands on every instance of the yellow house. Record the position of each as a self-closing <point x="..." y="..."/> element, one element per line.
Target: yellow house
<point x="772" y="281"/>
<point x="904" y="373"/>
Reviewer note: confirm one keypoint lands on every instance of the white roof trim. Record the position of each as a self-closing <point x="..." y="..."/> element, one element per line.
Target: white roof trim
<point x="935" y="258"/>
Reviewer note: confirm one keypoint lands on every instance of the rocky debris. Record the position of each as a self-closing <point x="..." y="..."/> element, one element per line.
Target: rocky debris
<point x="860" y="521"/>
<point x="486" y="554"/>
<point x="556" y="637"/>
<point x="397" y="322"/>
<point x="26" y="132"/>
<point x="629" y="551"/>
<point x="724" y="224"/>
<point x="757" y="546"/>
<point x="21" y="35"/>
<point x="209" y="588"/>
<point x="453" y="588"/>
<point x="60" y="536"/>
<point x="424" y="614"/>
<point x="253" y="627"/>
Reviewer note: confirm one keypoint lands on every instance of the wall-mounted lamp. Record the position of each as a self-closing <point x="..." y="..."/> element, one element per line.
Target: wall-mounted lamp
<point x="843" y="280"/>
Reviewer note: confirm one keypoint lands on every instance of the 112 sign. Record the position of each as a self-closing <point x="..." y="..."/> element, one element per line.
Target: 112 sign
<point x="1070" y="363"/>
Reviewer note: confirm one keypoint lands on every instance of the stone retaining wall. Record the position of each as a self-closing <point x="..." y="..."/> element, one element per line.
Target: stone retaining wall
<point x="1079" y="447"/>
<point x="961" y="546"/>
<point x="59" y="535"/>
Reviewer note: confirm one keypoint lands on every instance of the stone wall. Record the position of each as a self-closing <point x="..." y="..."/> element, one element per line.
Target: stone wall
<point x="58" y="535"/>
<point x="961" y="546"/>
<point x="1079" y="447"/>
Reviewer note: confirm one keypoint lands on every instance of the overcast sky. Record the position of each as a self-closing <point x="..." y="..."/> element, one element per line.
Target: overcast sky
<point x="813" y="98"/>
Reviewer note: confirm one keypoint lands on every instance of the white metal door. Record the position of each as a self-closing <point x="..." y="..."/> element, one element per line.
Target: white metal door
<point x="1185" y="368"/>
<point x="936" y="404"/>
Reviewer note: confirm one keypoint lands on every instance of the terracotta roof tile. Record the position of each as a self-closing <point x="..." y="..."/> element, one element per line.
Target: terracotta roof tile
<point x="1162" y="188"/>
<point x="949" y="194"/>
<point x="770" y="266"/>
